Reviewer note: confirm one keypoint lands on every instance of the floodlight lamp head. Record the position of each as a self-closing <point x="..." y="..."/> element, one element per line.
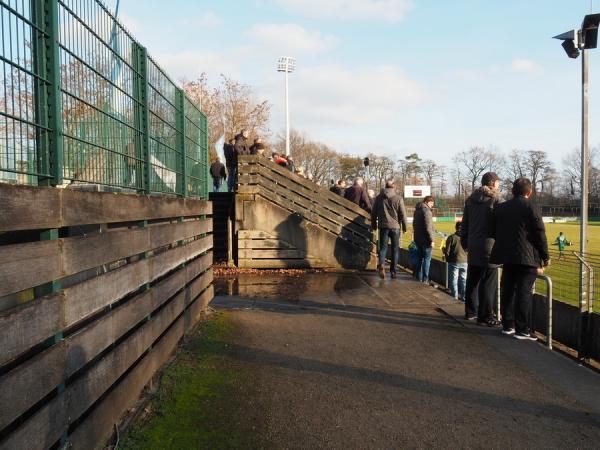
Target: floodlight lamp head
<point x="286" y="64"/>
<point x="570" y="43"/>
<point x="589" y="31"/>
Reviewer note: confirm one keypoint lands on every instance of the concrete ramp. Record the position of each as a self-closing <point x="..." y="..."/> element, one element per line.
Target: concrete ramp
<point x="283" y="220"/>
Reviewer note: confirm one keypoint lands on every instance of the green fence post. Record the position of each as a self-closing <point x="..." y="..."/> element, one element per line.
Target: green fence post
<point x="48" y="107"/>
<point x="141" y="119"/>
<point x="205" y="153"/>
<point x="180" y="126"/>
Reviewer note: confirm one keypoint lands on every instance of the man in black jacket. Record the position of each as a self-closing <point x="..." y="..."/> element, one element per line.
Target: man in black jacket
<point x="217" y="172"/>
<point x="424" y="235"/>
<point x="521" y="246"/>
<point x="476" y="239"/>
<point x="231" y="163"/>
<point x="387" y="215"/>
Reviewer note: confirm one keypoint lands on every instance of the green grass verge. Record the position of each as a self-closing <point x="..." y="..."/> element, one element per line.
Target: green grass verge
<point x="200" y="401"/>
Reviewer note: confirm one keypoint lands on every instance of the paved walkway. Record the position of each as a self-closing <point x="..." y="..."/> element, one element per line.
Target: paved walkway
<point x="351" y="361"/>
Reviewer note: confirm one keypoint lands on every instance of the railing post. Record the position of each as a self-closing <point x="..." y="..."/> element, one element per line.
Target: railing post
<point x="48" y="103"/>
<point x="141" y="119"/>
<point x="205" y="155"/>
<point x="180" y="145"/>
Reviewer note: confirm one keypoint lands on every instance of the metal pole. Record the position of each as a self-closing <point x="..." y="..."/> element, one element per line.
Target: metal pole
<point x="287" y="113"/>
<point x="583" y="294"/>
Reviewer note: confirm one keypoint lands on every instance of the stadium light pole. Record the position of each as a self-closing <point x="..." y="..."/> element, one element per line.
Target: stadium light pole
<point x="287" y="65"/>
<point x="574" y="42"/>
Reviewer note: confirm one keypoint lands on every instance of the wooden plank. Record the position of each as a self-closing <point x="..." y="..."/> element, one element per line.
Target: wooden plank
<point x="29" y="208"/>
<point x="98" y="427"/>
<point x="198" y="308"/>
<point x="271" y="254"/>
<point x="102" y="207"/>
<point x="272" y="244"/>
<point x="30" y="382"/>
<point x="254" y="234"/>
<point x="26" y="265"/>
<point x="199" y="285"/>
<point x="27" y="325"/>
<point x="282" y="264"/>
<point x="23" y="266"/>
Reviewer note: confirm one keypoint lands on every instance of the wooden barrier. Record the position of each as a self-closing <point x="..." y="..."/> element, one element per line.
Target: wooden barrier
<point x="284" y="220"/>
<point x="117" y="301"/>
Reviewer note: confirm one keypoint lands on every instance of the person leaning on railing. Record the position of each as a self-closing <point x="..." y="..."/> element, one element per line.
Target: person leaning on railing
<point x="522" y="248"/>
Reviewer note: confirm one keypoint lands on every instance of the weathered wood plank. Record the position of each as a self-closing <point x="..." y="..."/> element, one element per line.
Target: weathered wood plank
<point x="270" y="254"/>
<point x="29" y="208"/>
<point x="198" y="308"/>
<point x="27" y="325"/>
<point x="272" y="244"/>
<point x="23" y="266"/>
<point x="101" y="207"/>
<point x="281" y="263"/>
<point x="254" y="234"/>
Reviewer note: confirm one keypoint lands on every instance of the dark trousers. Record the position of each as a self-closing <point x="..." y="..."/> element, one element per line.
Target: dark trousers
<point x="515" y="301"/>
<point x="386" y="235"/>
<point x="231" y="178"/>
<point x="217" y="184"/>
<point x="482" y="286"/>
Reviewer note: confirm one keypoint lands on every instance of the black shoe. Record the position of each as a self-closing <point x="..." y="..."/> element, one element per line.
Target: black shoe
<point x="393" y="274"/>
<point x="492" y="322"/>
<point x="470" y="318"/>
<point x="525" y="337"/>
<point x="508" y="331"/>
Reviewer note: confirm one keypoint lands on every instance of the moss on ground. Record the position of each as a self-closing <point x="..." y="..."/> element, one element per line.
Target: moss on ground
<point x="202" y="399"/>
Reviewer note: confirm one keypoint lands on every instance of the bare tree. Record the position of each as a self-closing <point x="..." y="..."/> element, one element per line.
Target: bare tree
<point x="475" y="162"/>
<point x="537" y="165"/>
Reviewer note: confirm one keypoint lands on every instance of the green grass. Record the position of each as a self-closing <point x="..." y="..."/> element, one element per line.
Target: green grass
<point x="200" y="400"/>
<point x="564" y="274"/>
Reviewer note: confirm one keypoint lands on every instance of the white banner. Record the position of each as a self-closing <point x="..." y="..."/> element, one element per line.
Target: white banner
<point x="416" y="191"/>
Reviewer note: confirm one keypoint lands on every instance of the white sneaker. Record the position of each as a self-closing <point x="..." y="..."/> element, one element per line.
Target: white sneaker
<point x="508" y="332"/>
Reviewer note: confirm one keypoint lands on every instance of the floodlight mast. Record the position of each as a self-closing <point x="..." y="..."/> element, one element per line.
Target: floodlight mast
<point x="574" y="42"/>
<point x="287" y="65"/>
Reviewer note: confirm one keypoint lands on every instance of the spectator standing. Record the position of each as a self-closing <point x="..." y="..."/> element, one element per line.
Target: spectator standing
<point x="279" y="160"/>
<point x="357" y="194"/>
<point x="290" y="164"/>
<point x="231" y="163"/>
<point x="476" y="239"/>
<point x="240" y="145"/>
<point x="388" y="215"/>
<point x="456" y="257"/>
<point x="522" y="248"/>
<point x="218" y="173"/>
<point x="255" y="146"/>
<point x="424" y="236"/>
<point x="339" y="188"/>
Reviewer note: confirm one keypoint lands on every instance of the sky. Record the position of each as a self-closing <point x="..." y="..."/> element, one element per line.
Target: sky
<point x="390" y="77"/>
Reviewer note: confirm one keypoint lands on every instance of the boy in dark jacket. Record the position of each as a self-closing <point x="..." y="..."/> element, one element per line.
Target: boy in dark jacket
<point x="482" y="276"/>
<point x="521" y="246"/>
<point x="424" y="236"/>
<point x="387" y="215"/>
<point x="456" y="257"/>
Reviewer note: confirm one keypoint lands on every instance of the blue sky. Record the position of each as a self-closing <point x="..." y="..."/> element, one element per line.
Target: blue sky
<point x="390" y="76"/>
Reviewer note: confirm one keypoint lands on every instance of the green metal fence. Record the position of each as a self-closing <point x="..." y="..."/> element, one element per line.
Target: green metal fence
<point x="82" y="102"/>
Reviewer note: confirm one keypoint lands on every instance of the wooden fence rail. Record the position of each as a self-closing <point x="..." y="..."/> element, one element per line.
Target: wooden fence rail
<point x="90" y="312"/>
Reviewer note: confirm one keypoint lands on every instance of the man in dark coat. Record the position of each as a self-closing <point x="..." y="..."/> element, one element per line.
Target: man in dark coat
<point x="217" y="172"/>
<point x="522" y="248"/>
<point x="476" y="239"/>
<point x="339" y="188"/>
<point x="424" y="235"/>
<point x="240" y="145"/>
<point x="357" y="194"/>
<point x="387" y="215"/>
<point x="231" y="163"/>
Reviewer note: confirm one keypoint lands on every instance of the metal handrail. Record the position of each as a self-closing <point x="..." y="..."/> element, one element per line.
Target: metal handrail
<point x="549" y="294"/>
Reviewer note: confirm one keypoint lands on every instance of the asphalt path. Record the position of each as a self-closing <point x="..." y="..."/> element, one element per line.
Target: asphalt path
<point x="351" y="361"/>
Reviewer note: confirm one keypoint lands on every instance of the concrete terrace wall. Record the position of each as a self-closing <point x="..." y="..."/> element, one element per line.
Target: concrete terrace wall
<point x="284" y="220"/>
<point x="91" y="311"/>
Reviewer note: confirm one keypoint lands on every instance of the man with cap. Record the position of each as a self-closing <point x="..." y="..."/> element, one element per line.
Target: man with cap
<point x="476" y="238"/>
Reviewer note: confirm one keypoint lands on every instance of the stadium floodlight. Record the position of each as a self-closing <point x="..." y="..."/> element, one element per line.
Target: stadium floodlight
<point x="575" y="42"/>
<point x="287" y="65"/>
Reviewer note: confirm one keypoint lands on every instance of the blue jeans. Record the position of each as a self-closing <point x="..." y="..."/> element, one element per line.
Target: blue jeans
<point x="457" y="279"/>
<point x="217" y="184"/>
<point x="422" y="269"/>
<point x="385" y="234"/>
<point x="231" y="178"/>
